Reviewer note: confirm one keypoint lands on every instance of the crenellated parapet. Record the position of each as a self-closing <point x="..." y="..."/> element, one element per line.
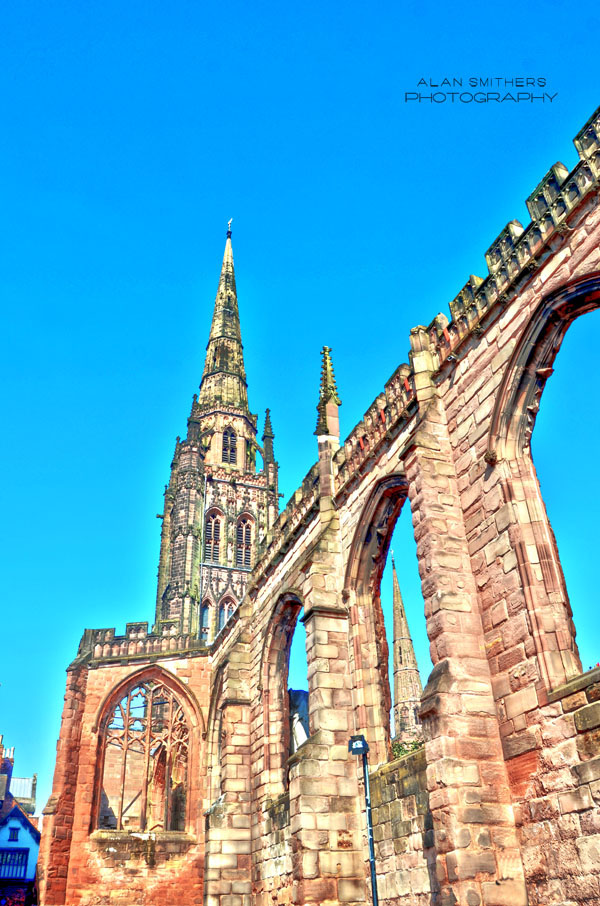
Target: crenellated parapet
<point x="518" y="251"/>
<point x="103" y="646"/>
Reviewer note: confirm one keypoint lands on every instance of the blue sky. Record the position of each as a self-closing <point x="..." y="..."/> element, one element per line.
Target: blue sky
<point x="131" y="133"/>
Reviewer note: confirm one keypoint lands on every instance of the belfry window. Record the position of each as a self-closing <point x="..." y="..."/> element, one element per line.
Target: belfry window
<point x="145" y="749"/>
<point x="243" y="546"/>
<point x="212" y="538"/>
<point x="229" y="446"/>
<point x="226" y="609"/>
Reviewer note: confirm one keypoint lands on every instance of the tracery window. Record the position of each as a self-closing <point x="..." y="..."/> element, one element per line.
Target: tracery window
<point x="145" y="749"/>
<point x="229" y="446"/>
<point x="226" y="609"/>
<point x="212" y="537"/>
<point x="243" y="546"/>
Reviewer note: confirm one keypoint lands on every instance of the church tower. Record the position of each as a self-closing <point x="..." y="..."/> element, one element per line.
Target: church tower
<point x="407" y="681"/>
<point x="217" y="506"/>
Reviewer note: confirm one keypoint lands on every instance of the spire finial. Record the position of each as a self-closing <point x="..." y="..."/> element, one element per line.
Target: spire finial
<point x="224" y="378"/>
<point x="229" y="222"/>
<point x="328" y="395"/>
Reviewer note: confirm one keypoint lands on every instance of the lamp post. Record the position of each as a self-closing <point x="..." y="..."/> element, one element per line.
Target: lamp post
<point x="358" y="745"/>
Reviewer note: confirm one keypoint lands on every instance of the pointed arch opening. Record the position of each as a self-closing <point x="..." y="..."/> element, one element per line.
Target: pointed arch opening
<point x="285" y="710"/>
<point x="229" y="454"/>
<point x="244" y="535"/>
<point x="375" y="650"/>
<point x="144" y="756"/>
<point x="536" y="554"/>
<point x="213" y="533"/>
<point x="227" y="608"/>
<point x="205" y="621"/>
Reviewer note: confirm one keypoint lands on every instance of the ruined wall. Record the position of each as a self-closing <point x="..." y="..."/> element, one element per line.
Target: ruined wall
<point x="501" y="805"/>
<point x="403" y="831"/>
<point x="83" y="864"/>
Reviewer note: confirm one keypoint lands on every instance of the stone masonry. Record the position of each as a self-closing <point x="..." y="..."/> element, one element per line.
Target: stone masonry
<point x="501" y="806"/>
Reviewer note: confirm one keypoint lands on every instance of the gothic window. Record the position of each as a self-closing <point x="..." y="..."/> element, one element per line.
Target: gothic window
<point x="226" y="609"/>
<point x="229" y="446"/>
<point x="212" y="537"/>
<point x="145" y="748"/>
<point x="399" y="654"/>
<point x="243" y="547"/>
<point x="204" y="622"/>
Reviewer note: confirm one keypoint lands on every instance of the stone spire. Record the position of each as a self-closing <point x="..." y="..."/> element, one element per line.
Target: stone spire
<point x="267" y="439"/>
<point x="328" y="421"/>
<point x="224" y="378"/>
<point x="407" y="681"/>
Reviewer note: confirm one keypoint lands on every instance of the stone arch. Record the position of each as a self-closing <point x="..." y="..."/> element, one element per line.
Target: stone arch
<point x="190" y="723"/>
<point x="509" y="450"/>
<point x="366" y="562"/>
<point x="158" y="673"/>
<point x="274" y="680"/>
<point x="531" y="364"/>
<point x="214" y="736"/>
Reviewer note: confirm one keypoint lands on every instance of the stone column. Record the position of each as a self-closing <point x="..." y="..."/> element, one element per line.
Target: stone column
<point x="479" y="858"/>
<point x="228" y="843"/>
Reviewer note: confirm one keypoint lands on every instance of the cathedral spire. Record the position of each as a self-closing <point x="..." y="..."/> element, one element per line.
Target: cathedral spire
<point x="224" y="378"/>
<point x="407" y="681"/>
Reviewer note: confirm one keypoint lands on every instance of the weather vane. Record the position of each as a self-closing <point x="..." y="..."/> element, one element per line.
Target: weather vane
<point x="229" y="222"/>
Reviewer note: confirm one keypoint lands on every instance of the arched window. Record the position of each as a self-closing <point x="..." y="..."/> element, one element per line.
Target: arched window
<point x="229" y="446"/>
<point x="145" y="749"/>
<point x="204" y="621"/>
<point x="243" y="545"/>
<point x="226" y="609"/>
<point x="212" y="537"/>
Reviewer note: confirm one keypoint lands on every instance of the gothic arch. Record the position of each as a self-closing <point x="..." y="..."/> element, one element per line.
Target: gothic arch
<point x="155" y="672"/>
<point x="509" y="450"/>
<point x="245" y="536"/>
<point x="214" y="734"/>
<point x="366" y="562"/>
<point x="274" y="667"/>
<point x="190" y="722"/>
<point x="227" y="607"/>
<point x="530" y="366"/>
<point x="214" y="535"/>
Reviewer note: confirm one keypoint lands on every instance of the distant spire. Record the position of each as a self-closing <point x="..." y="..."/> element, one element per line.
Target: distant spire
<point x="328" y="420"/>
<point x="224" y="377"/>
<point x="267" y="439"/>
<point x="407" y="681"/>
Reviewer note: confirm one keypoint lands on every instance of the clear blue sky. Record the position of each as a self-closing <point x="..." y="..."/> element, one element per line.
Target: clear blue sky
<point x="131" y="133"/>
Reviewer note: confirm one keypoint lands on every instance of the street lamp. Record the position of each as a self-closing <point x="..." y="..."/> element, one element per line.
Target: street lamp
<point x="358" y="745"/>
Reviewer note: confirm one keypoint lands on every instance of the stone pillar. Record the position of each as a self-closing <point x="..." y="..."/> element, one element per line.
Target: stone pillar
<point x="228" y="821"/>
<point x="228" y="844"/>
<point x="325" y="821"/>
<point x="479" y="858"/>
<point x="55" y="848"/>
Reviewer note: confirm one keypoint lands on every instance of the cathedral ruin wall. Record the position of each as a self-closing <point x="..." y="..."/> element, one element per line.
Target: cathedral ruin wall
<point x="501" y="805"/>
